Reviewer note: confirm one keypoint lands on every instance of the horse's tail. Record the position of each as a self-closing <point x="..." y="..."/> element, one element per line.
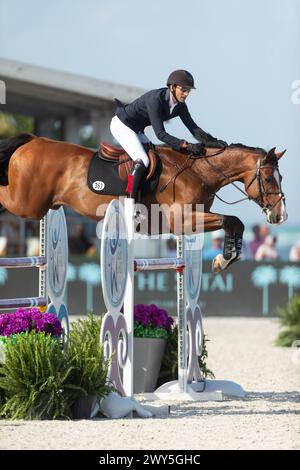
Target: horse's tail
<point x="7" y="148"/>
<point x="10" y="145"/>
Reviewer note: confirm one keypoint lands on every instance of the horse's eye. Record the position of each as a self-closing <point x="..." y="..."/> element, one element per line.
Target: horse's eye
<point x="268" y="179"/>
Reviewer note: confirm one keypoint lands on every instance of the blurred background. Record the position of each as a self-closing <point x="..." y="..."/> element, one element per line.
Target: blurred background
<point x="63" y="63"/>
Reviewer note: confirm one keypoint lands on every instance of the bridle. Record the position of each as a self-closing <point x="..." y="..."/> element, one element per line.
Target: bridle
<point x="263" y="193"/>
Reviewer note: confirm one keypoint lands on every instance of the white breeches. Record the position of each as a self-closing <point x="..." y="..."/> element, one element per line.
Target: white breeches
<point x="130" y="140"/>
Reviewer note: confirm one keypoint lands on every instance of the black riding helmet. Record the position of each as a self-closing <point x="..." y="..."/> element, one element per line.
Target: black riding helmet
<point x="182" y="78"/>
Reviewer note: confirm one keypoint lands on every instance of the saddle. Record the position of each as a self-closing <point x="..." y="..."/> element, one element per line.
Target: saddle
<point x="118" y="156"/>
<point x="110" y="166"/>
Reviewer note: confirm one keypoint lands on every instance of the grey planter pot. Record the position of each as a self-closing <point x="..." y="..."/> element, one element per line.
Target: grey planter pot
<point x="83" y="407"/>
<point x="147" y="357"/>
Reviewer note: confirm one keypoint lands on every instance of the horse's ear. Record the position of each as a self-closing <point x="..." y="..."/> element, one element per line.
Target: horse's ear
<point x="280" y="154"/>
<point x="270" y="154"/>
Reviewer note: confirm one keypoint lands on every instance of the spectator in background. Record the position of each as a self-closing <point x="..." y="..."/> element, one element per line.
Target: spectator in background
<point x="267" y="251"/>
<point x="216" y="247"/>
<point x="256" y="242"/>
<point x="11" y="231"/>
<point x="32" y="234"/>
<point x="264" y="231"/>
<point x="80" y="244"/>
<point x="32" y="228"/>
<point x="295" y="252"/>
<point x="171" y="248"/>
<point x="3" y="246"/>
<point x="260" y="232"/>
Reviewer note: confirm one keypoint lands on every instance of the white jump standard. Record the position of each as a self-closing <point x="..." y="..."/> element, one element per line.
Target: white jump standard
<point x="117" y="273"/>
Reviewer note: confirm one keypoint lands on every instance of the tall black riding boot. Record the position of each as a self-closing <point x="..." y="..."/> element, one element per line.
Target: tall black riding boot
<point x="134" y="179"/>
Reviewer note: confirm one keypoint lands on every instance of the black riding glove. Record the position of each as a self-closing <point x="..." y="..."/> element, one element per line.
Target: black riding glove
<point x="215" y="143"/>
<point x="208" y="140"/>
<point x="196" y="149"/>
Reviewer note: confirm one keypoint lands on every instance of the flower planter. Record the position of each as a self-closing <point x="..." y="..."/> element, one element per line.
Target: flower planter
<point x="147" y="358"/>
<point x="84" y="406"/>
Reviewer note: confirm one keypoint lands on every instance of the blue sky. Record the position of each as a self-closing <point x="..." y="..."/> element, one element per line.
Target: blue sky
<point x="244" y="55"/>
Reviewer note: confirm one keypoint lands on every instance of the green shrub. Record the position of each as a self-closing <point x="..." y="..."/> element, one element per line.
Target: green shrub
<point x="85" y="353"/>
<point x="290" y="320"/>
<point x="290" y="315"/>
<point x="169" y="367"/>
<point x="287" y="336"/>
<point x="35" y="378"/>
<point x="38" y="380"/>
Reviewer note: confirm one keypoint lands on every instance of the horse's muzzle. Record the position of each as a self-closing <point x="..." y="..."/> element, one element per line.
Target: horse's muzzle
<point x="275" y="218"/>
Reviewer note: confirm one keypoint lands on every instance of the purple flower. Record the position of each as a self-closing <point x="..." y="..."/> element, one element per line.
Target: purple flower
<point x="151" y="315"/>
<point x="29" y="320"/>
<point x="49" y="323"/>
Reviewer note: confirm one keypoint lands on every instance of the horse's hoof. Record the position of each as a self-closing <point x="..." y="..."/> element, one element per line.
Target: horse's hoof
<point x="219" y="263"/>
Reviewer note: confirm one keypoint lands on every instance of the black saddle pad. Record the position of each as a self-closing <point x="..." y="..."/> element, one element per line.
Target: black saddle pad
<point x="103" y="177"/>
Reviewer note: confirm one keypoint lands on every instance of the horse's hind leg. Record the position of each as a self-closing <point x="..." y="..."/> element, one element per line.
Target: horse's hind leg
<point x="5" y="199"/>
<point x="19" y="204"/>
<point x="9" y="203"/>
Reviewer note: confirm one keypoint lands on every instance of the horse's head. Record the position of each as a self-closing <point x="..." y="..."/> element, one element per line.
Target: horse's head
<point x="264" y="187"/>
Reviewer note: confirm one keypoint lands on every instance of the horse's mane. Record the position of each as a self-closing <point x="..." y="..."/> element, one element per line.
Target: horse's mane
<point x="236" y="145"/>
<point x="255" y="149"/>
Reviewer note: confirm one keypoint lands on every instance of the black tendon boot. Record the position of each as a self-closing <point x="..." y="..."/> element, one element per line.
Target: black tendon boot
<point x="135" y="178"/>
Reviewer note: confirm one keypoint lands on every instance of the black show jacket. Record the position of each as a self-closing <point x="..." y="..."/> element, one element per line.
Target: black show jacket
<point x="153" y="109"/>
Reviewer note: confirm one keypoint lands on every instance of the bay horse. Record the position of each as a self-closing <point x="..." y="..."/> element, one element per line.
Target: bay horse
<point x="38" y="174"/>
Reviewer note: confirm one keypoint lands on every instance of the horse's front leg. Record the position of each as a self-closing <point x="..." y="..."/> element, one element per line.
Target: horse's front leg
<point x="233" y="240"/>
<point x="208" y="222"/>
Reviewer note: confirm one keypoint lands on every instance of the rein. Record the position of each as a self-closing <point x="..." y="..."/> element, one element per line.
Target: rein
<point x="211" y="193"/>
<point x="214" y="194"/>
<point x="257" y="176"/>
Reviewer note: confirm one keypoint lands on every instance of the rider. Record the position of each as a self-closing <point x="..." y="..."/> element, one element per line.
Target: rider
<point x="153" y="108"/>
